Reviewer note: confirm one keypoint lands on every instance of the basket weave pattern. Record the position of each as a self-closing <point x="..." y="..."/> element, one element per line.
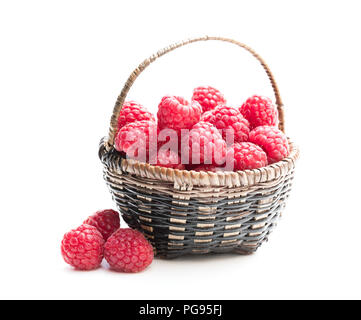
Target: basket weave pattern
<point x="187" y="212"/>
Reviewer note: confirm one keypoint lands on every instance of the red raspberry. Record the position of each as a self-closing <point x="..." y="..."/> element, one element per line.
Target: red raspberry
<point x="83" y="247"/>
<point x="260" y="111"/>
<point x="204" y="144"/>
<point x="229" y="121"/>
<point x="169" y="159"/>
<point x="177" y="113"/>
<point x="127" y="250"/>
<point x="106" y="221"/>
<point x="247" y="155"/>
<point x="136" y="139"/>
<point x="207" y="167"/>
<point x="272" y="140"/>
<point x="208" y="97"/>
<point x="131" y="112"/>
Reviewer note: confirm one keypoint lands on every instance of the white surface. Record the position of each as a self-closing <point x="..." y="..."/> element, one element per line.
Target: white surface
<point x="62" y="65"/>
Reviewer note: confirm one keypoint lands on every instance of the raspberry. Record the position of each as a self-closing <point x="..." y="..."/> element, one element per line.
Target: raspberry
<point x="208" y="97"/>
<point x="247" y="155"/>
<point x="83" y="247"/>
<point x="204" y="144"/>
<point x="229" y="121"/>
<point x="272" y="140"/>
<point x="177" y="113"/>
<point x="127" y="250"/>
<point x="106" y="221"/>
<point x="169" y="159"/>
<point x="207" y="167"/>
<point x="136" y="139"/>
<point x="131" y="112"/>
<point x="260" y="111"/>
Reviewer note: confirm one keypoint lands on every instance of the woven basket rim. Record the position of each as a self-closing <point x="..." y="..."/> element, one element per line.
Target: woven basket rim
<point x="185" y="179"/>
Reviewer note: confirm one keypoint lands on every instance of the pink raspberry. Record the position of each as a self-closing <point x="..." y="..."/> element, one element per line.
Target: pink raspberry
<point x="132" y="112"/>
<point x="208" y="97"/>
<point x="229" y="121"/>
<point x="83" y="247"/>
<point x="137" y="139"/>
<point x="207" y="168"/>
<point x="177" y="113"/>
<point x="247" y="155"/>
<point x="106" y="221"/>
<point x="204" y="145"/>
<point x="127" y="250"/>
<point x="169" y="159"/>
<point x="272" y="140"/>
<point x="260" y="111"/>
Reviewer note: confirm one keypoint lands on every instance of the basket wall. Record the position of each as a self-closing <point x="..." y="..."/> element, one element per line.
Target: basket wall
<point x="196" y="219"/>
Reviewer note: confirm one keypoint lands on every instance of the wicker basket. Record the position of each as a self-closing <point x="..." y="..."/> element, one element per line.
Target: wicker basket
<point x="187" y="212"/>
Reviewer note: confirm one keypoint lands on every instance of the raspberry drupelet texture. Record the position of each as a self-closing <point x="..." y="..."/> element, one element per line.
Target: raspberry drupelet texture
<point x="230" y="122"/>
<point x="207" y="168"/>
<point x="247" y="155"/>
<point x="106" y="222"/>
<point x="83" y="247"/>
<point x="169" y="159"/>
<point x="260" y="111"/>
<point x="204" y="145"/>
<point x="132" y="112"/>
<point x="208" y="97"/>
<point x="127" y="250"/>
<point x="136" y="139"/>
<point x="272" y="140"/>
<point x="177" y="113"/>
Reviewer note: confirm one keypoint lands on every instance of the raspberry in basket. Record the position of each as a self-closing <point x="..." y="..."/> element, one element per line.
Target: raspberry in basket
<point x="208" y="97"/>
<point x="106" y="221"/>
<point x="127" y="250"/>
<point x="207" y="168"/>
<point x="247" y="155"/>
<point x="137" y="139"/>
<point x="131" y="112"/>
<point x="169" y="159"/>
<point x="177" y="113"/>
<point x="260" y="111"/>
<point x="272" y="140"/>
<point x="203" y="145"/>
<point x="229" y="121"/>
<point x="83" y="247"/>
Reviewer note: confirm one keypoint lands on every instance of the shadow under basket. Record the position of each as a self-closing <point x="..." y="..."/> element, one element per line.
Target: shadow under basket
<point x="187" y="212"/>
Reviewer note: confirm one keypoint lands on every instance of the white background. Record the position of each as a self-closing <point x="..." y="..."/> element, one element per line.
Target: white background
<point x="62" y="65"/>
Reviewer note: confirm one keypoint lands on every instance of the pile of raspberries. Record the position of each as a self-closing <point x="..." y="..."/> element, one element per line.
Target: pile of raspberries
<point x="205" y="134"/>
<point x="100" y="236"/>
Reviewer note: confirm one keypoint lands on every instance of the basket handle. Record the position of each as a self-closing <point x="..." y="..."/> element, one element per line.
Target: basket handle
<point x="121" y="98"/>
